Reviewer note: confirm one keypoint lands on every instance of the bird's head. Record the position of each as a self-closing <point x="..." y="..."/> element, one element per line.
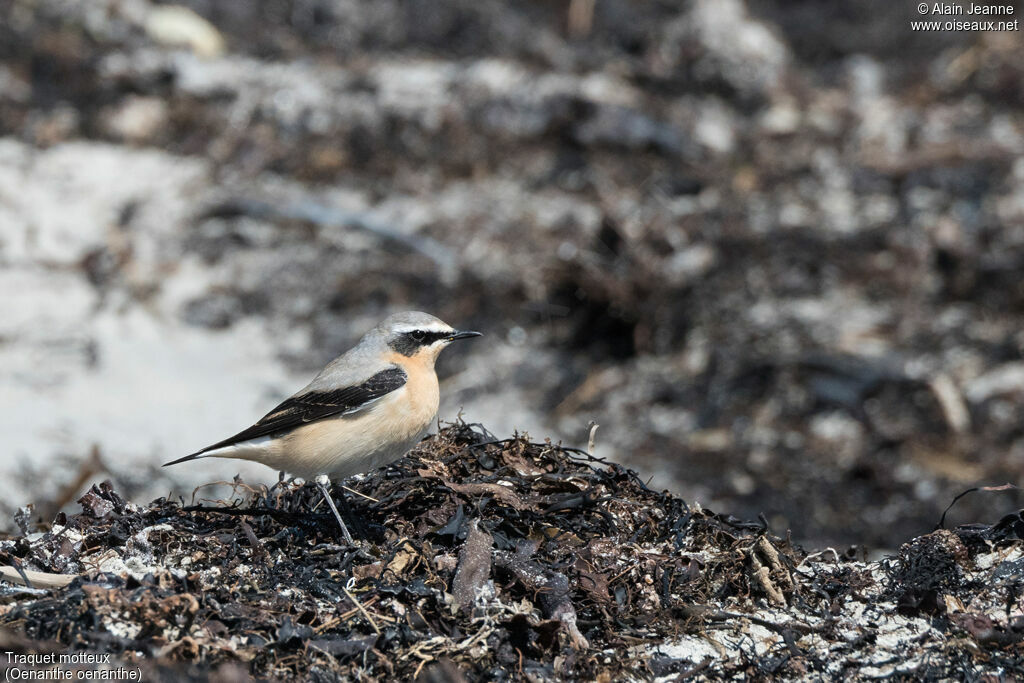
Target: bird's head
<point x="420" y="335"/>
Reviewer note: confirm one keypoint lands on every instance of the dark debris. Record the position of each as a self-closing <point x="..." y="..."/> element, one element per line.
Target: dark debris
<point x="503" y="559"/>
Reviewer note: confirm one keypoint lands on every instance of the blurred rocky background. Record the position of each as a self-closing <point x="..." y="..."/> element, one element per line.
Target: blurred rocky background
<point x="774" y="248"/>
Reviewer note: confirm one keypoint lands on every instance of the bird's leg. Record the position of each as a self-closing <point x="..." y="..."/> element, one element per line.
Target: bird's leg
<point x="324" y="483"/>
<point x="353" y="518"/>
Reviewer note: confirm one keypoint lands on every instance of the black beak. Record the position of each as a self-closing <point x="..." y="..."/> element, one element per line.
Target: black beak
<point x="465" y="334"/>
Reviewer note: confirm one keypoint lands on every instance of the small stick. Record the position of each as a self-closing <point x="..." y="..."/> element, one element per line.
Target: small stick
<point x="581" y="17"/>
<point x="323" y="482"/>
<point x="34" y="579"/>
<point x="361" y="609"/>
<point x="359" y="493"/>
<point x="593" y="437"/>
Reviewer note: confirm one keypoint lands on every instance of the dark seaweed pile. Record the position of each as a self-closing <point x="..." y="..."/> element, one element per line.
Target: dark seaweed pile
<point x="493" y="560"/>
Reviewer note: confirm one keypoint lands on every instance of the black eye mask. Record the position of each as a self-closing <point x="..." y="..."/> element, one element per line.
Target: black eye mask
<point x="408" y="343"/>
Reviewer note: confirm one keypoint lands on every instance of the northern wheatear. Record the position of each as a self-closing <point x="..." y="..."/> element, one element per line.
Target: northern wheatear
<point x="367" y="408"/>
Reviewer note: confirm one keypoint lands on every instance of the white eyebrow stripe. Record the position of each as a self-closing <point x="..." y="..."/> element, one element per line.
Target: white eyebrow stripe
<point x="433" y="327"/>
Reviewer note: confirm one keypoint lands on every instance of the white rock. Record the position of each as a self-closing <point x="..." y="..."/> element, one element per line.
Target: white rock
<point x="137" y="119"/>
<point x="179" y="26"/>
<point x="744" y="50"/>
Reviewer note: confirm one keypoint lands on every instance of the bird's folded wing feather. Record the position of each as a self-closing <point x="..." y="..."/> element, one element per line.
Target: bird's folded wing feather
<point x="315" y="405"/>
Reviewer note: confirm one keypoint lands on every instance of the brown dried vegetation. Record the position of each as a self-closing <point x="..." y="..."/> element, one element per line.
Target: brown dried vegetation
<point x="503" y="559"/>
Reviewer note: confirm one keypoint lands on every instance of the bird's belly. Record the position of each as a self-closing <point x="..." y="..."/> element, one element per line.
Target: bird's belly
<point x="349" y="444"/>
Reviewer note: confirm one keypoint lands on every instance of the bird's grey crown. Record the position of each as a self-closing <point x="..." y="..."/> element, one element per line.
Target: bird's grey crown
<point x="410" y="321"/>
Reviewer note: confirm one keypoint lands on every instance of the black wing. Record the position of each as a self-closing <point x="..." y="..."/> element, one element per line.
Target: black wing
<point x="300" y="410"/>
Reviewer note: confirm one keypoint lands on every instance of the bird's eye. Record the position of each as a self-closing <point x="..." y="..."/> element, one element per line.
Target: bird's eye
<point x="418" y="336"/>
